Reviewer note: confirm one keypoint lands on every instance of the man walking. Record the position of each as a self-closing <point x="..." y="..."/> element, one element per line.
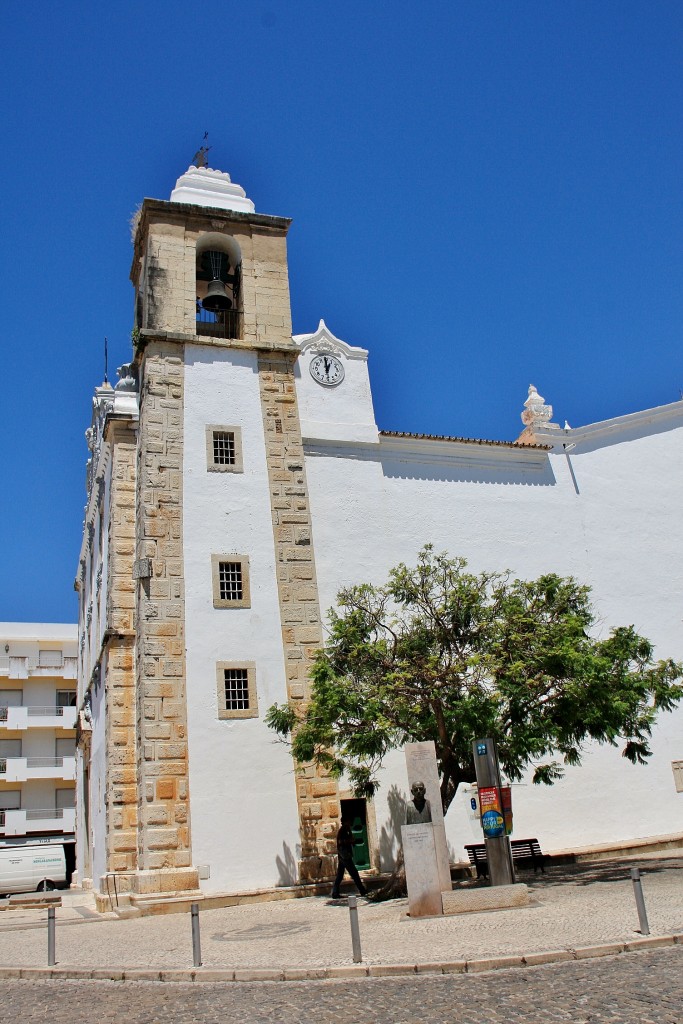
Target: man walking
<point x="345" y="859"/>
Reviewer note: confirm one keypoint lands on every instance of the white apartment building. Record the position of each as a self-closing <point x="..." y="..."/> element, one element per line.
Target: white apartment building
<point x="37" y="733"/>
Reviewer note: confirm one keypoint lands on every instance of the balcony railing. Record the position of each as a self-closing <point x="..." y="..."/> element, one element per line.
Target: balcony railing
<point x="46" y="813"/>
<point x="219" y="325"/>
<point x="48" y="716"/>
<point x="21" y="769"/>
<point x="21" y="667"/>
<point x="49" y="709"/>
<point x="18" y="822"/>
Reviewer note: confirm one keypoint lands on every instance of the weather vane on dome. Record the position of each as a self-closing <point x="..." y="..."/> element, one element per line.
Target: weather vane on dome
<point x="199" y="159"/>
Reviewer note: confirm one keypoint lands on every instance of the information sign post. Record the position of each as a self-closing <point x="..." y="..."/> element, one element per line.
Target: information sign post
<point x="498" y="853"/>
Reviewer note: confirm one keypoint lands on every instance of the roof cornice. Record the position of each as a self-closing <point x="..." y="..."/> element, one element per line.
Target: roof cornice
<point x="661" y="417"/>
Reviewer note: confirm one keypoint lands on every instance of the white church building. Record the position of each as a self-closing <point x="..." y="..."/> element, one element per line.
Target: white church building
<point x="237" y="479"/>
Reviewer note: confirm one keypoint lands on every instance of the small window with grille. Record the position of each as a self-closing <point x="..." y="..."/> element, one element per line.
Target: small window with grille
<point x="224" y="449"/>
<point x="230" y="581"/>
<point x="236" y="689"/>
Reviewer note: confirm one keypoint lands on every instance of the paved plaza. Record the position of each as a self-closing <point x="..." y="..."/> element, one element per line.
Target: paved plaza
<point x="633" y="988"/>
<point x="572" y="908"/>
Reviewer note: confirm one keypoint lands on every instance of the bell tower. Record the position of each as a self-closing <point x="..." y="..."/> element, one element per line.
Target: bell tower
<point x="227" y="616"/>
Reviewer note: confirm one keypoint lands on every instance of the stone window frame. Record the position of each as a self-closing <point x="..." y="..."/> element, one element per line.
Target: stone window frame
<point x="252" y="710"/>
<point x="218" y="601"/>
<point x="216" y="467"/>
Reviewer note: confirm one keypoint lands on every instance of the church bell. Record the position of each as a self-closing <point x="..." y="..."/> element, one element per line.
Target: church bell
<point x="216" y="299"/>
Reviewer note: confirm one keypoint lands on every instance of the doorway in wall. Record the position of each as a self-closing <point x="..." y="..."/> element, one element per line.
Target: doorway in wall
<point x="356" y="811"/>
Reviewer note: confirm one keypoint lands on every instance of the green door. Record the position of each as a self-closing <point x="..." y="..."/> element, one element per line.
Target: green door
<point x="361" y="849"/>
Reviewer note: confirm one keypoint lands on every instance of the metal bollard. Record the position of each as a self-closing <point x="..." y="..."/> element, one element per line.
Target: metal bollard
<point x="196" y="944"/>
<point x="355" y="930"/>
<point x="50" y="936"/>
<point x="640" y="901"/>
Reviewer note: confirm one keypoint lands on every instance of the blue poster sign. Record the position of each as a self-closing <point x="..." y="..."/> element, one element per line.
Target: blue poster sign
<point x="493" y="824"/>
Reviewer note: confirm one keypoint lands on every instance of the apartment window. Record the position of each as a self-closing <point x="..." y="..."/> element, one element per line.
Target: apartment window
<point x="9" y="699"/>
<point x="10" y="748"/>
<point x="236" y="689"/>
<point x="224" y="449"/>
<point x="10" y="800"/>
<point x="65" y="747"/>
<point x="66" y="698"/>
<point x="230" y="581"/>
<point x="50" y="659"/>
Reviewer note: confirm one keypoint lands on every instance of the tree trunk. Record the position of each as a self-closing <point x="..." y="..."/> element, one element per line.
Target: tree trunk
<point x="395" y="886"/>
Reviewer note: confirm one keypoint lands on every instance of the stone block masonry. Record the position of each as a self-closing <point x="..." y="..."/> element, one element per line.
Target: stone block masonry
<point x="121" y="782"/>
<point x="163" y="827"/>
<point x="298" y="595"/>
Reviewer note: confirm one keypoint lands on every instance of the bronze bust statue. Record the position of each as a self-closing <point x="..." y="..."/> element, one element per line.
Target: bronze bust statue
<point x="419" y="812"/>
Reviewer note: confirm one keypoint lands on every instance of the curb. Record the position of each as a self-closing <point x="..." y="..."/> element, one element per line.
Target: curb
<point x="218" y="975"/>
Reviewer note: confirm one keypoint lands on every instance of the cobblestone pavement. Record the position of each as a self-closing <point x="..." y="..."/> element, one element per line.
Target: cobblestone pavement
<point x="641" y="988"/>
<point x="571" y="907"/>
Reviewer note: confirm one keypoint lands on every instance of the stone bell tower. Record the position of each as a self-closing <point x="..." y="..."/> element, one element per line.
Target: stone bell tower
<point x="226" y="605"/>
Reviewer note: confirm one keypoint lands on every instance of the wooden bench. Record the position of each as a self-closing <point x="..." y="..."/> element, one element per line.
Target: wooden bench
<point x="522" y="849"/>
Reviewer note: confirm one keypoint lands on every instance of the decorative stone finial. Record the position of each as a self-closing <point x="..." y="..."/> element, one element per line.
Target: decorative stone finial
<point x="204" y="186"/>
<point x="127" y="381"/>
<point x="536" y="413"/>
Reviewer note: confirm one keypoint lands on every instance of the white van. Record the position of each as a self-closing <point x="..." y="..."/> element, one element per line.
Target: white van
<point x="31" y="868"/>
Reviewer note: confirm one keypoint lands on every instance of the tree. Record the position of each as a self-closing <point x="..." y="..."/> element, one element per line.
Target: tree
<point x="437" y="653"/>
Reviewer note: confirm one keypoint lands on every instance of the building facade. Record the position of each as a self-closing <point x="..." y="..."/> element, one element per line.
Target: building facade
<point x="38" y="734"/>
<point x="237" y="480"/>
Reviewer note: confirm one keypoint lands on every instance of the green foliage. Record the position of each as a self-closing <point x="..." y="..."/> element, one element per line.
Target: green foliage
<point x="440" y="654"/>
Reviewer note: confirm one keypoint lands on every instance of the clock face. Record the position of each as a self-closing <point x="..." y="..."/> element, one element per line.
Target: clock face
<point x="327" y="370"/>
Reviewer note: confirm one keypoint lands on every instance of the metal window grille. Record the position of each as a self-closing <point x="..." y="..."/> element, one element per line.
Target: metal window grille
<point x="230" y="581"/>
<point x="236" y="689"/>
<point x="223" y="448"/>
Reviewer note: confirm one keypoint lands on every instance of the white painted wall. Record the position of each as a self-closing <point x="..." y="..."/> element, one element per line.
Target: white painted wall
<point x="608" y="514"/>
<point x="622" y="533"/>
<point x="343" y="412"/>
<point x="243" y="803"/>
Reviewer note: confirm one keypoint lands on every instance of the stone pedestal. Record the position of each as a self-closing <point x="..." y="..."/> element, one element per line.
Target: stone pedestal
<point x="496" y="897"/>
<point x="421" y="767"/>
<point x="422" y="870"/>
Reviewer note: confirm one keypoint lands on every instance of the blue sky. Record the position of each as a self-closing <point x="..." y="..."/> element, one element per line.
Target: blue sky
<point x="484" y="194"/>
